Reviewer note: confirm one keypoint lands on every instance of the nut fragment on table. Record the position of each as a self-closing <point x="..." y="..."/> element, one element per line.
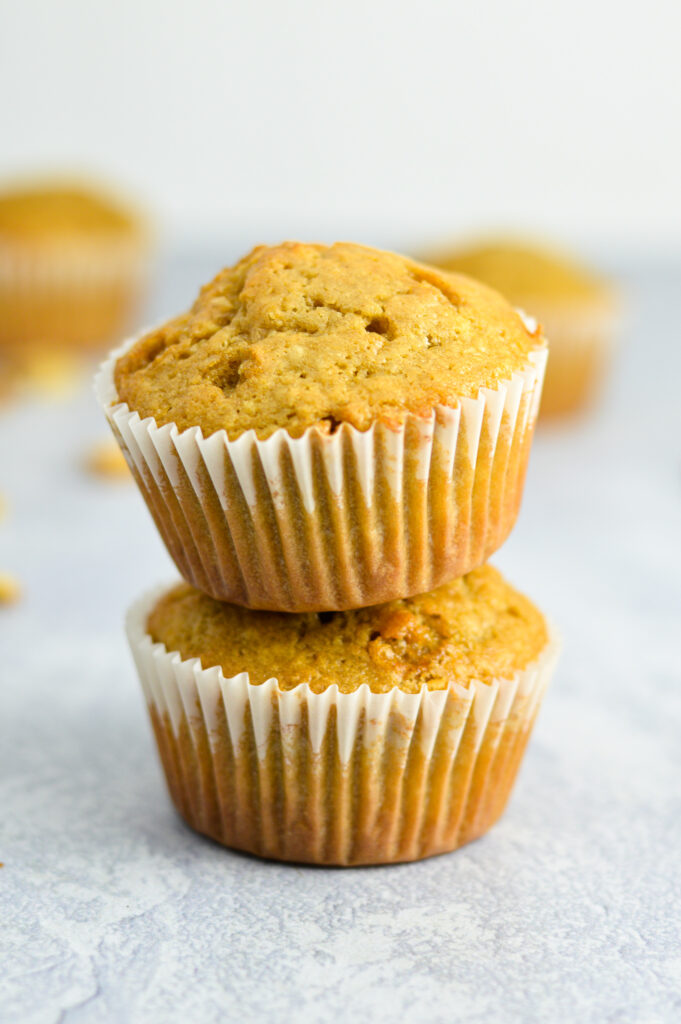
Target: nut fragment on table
<point x="105" y="459"/>
<point x="10" y="590"/>
<point x="51" y="374"/>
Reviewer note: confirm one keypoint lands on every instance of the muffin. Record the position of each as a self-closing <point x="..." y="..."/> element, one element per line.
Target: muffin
<point x="72" y="267"/>
<point x="576" y="308"/>
<point x="368" y="736"/>
<point x="329" y="427"/>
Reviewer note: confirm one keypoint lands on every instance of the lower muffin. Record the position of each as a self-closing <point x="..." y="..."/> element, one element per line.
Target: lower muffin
<point x="371" y="736"/>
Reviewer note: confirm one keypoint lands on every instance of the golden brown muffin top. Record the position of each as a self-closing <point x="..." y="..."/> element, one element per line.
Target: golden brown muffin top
<point x="477" y="627"/>
<point x="296" y="335"/>
<point x="524" y="272"/>
<point x="61" y="212"/>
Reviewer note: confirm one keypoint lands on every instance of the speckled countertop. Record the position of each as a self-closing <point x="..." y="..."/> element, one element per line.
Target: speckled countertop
<point x="570" y="909"/>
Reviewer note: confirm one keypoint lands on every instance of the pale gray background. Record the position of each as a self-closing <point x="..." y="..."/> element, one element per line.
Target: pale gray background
<point x="443" y="116"/>
<point x="112" y="910"/>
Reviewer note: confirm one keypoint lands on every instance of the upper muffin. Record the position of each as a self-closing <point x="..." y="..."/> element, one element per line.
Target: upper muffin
<point x="526" y="274"/>
<point x="477" y="627"/>
<point x="299" y="335"/>
<point x="62" y="213"/>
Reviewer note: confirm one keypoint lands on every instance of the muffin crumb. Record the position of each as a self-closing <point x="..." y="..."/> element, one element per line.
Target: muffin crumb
<point x="10" y="590"/>
<point x="50" y="374"/>
<point x="106" y="460"/>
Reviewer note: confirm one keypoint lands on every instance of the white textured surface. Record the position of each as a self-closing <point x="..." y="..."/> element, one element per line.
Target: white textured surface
<point x="111" y="910"/>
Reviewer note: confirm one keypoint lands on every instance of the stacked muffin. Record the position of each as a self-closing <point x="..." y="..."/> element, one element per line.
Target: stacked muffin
<point x="332" y="441"/>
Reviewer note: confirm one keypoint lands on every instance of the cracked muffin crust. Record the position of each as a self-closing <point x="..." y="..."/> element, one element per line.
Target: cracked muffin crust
<point x="298" y="335"/>
<point x="478" y="627"/>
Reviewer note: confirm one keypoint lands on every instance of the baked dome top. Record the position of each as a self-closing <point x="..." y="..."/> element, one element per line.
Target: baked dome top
<point x="298" y="335"/>
<point x="477" y="627"/>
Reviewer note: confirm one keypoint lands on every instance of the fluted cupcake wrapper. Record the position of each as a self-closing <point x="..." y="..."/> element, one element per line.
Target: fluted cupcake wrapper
<point x="81" y="295"/>
<point x="340" y="520"/>
<point x="332" y="777"/>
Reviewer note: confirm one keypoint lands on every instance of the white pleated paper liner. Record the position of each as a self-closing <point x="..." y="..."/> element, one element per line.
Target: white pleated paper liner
<point x="334" y="778"/>
<point x="83" y="294"/>
<point x="335" y="521"/>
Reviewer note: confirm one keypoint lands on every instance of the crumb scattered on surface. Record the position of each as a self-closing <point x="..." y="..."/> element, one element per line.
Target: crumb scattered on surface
<point x="51" y="374"/>
<point x="10" y="379"/>
<point x="10" y="590"/>
<point x="105" y="459"/>
<point x="40" y="372"/>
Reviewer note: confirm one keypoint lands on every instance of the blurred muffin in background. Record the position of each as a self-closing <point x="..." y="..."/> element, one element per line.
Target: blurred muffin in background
<point x="576" y="308"/>
<point x="73" y="267"/>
